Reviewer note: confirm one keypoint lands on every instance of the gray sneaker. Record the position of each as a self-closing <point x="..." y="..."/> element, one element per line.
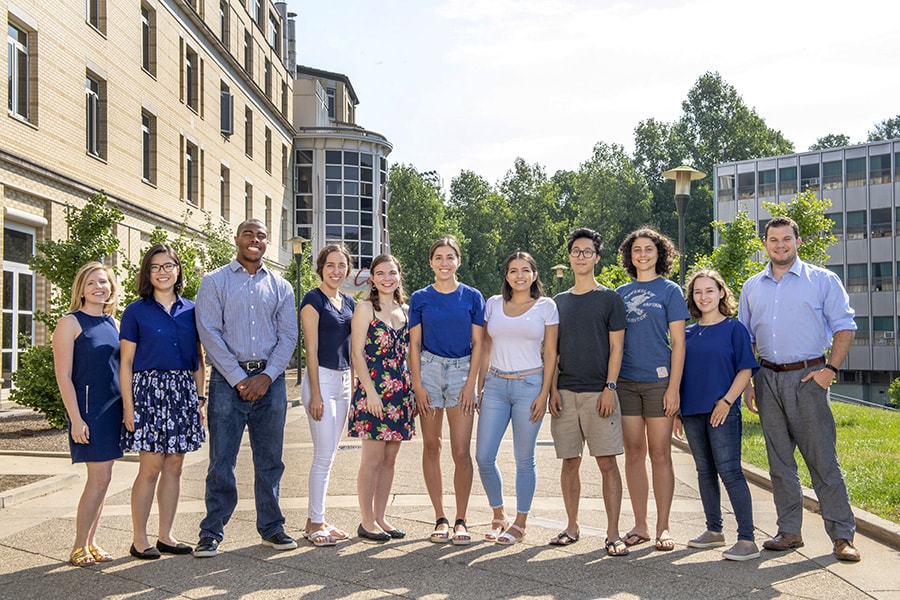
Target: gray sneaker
<point x="708" y="539"/>
<point x="743" y="550"/>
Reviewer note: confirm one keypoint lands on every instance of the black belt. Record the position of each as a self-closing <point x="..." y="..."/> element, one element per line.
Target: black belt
<point x="794" y="366"/>
<point x="253" y="365"/>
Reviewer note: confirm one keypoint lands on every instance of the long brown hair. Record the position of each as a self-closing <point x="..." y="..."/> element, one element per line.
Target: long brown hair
<point x="537" y="288"/>
<point x="726" y="302"/>
<point x="399" y="293"/>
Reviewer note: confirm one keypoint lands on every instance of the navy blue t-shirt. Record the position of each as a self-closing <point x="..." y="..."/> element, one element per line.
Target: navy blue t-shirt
<point x="447" y="319"/>
<point x="334" y="328"/>
<point x="165" y="341"/>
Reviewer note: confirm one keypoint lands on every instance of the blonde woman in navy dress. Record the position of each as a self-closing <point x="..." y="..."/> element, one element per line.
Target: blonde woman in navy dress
<point x="86" y="360"/>
<point x="160" y="375"/>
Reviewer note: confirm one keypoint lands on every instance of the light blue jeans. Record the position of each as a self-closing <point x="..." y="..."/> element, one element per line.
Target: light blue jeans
<point x="506" y="400"/>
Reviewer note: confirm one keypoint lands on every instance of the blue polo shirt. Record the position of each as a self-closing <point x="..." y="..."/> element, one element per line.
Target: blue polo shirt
<point x="165" y="341"/>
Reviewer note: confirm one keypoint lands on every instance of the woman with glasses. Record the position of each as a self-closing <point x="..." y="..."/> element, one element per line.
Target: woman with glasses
<point x="650" y="378"/>
<point x="520" y="359"/>
<point x="162" y="377"/>
<point x="446" y="325"/>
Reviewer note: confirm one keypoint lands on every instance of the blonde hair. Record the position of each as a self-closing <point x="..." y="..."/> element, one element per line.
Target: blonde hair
<point x="77" y="302"/>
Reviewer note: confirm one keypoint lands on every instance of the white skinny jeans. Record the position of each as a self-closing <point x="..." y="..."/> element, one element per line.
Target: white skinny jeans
<point x="326" y="433"/>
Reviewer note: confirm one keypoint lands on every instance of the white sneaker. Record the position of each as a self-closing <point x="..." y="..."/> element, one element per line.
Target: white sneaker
<point x="743" y="550"/>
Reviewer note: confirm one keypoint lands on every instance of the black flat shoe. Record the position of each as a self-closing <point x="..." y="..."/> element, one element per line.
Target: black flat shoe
<point x="150" y="553"/>
<point x="178" y="548"/>
<point x="372" y="537"/>
<point x="397" y="534"/>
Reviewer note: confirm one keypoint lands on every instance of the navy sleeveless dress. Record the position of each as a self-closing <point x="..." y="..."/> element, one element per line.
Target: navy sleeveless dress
<point x="95" y="374"/>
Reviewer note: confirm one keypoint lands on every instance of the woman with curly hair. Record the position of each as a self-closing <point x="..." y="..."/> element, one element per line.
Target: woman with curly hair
<point x="650" y="378"/>
<point x="381" y="412"/>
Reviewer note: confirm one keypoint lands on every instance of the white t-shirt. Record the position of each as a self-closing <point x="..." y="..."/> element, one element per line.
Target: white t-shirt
<point x="516" y="341"/>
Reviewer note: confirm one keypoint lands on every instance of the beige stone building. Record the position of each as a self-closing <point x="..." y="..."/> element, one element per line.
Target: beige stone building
<point x="172" y="107"/>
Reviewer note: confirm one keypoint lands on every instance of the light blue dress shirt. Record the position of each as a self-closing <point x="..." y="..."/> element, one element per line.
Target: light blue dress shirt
<point x="796" y="318"/>
<point x="243" y="317"/>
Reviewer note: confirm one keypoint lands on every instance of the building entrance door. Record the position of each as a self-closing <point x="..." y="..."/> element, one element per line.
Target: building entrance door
<point x="17" y="297"/>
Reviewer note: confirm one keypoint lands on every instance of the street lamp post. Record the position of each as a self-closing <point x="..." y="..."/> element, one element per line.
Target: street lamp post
<point x="560" y="270"/>
<point x="297" y="247"/>
<point x="683" y="176"/>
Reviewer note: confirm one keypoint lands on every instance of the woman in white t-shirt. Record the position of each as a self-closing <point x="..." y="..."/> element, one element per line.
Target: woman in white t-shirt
<point x="520" y="340"/>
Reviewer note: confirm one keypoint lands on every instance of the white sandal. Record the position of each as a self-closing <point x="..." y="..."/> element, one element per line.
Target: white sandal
<point x="494" y="533"/>
<point x="508" y="539"/>
<point x="320" y="538"/>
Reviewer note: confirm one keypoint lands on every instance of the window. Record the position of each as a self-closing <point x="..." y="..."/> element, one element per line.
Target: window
<point x="767" y="183"/>
<point x="837" y="270"/>
<point x="862" y="331"/>
<point x="273" y="33"/>
<point x="284" y="165"/>
<point x="788" y="176"/>
<point x="880" y="169"/>
<point x="726" y="188"/>
<point x="838" y="228"/>
<point x="884" y="330"/>
<point x="95" y="116"/>
<point x="329" y="93"/>
<point x="248" y="132"/>
<point x="303" y="204"/>
<point x="191" y="79"/>
<point x="224" y="192"/>
<point x="285" y="227"/>
<point x="254" y="11"/>
<point x="809" y="177"/>
<point x="746" y="185"/>
<point x="350" y="202"/>
<point x="882" y="277"/>
<point x="881" y="222"/>
<point x="191" y="174"/>
<point x="268" y="216"/>
<point x="267" y="78"/>
<point x="17" y="55"/>
<point x="857" y="228"/>
<point x="226" y="108"/>
<point x="225" y="23"/>
<point x="248" y="52"/>
<point x="832" y="175"/>
<point x="248" y="200"/>
<point x="268" y="151"/>
<point x="148" y="40"/>
<point x="95" y="14"/>
<point x="18" y="296"/>
<point x="858" y="278"/>
<point x="284" y="98"/>
<point x="856" y="172"/>
<point x="148" y="147"/>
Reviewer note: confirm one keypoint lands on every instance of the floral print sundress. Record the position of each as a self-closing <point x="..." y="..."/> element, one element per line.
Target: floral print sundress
<point x="385" y="351"/>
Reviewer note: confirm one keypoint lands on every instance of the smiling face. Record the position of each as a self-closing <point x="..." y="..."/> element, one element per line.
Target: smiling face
<point x="97" y="290"/>
<point x="335" y="270"/>
<point x="582" y="264"/>
<point x="444" y="262"/>
<point x="781" y="245"/>
<point x="644" y="256"/>
<point x="520" y="275"/>
<point x="386" y="277"/>
<point x="707" y="295"/>
<point x="251" y="240"/>
<point x="164" y="271"/>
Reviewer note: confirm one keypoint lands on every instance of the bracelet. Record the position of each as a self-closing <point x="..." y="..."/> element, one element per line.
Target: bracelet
<point x="831" y="368"/>
<point x="726" y="401"/>
<point x="201" y="398"/>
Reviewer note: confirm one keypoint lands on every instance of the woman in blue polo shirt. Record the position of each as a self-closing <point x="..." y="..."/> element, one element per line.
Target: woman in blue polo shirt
<point x="161" y="376"/>
<point x="446" y="328"/>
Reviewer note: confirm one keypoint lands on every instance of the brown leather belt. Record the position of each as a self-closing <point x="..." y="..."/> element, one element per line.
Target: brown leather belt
<point x="794" y="366"/>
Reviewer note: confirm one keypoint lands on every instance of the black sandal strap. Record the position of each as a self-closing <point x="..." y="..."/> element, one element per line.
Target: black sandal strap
<point x="441" y="521"/>
<point x="460" y="522"/>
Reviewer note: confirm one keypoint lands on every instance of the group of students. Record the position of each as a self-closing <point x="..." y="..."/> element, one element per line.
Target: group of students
<point x="618" y="370"/>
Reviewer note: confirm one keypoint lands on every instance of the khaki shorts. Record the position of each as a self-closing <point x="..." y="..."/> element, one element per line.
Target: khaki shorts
<point x="642" y="399"/>
<point x="579" y="422"/>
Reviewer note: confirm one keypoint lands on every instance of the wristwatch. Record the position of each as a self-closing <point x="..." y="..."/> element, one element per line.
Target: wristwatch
<point x="612" y="385"/>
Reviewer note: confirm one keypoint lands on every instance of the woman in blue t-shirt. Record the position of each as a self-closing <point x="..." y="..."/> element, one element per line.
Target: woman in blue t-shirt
<point x="650" y="378"/>
<point x="325" y="314"/>
<point x="446" y="328"/>
<point x="718" y="364"/>
<point x="162" y="380"/>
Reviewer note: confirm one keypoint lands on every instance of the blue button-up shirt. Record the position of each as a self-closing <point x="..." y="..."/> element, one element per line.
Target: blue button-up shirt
<point x="166" y="341"/>
<point x="245" y="317"/>
<point x="796" y="318"/>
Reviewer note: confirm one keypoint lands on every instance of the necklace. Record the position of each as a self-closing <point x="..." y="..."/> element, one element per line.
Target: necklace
<point x="701" y="326"/>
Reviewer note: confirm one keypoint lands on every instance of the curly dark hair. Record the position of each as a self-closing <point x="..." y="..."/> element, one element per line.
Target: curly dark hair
<point x="584" y="232"/>
<point x="144" y="283"/>
<point x="537" y="288"/>
<point x="664" y="247"/>
<point x="727" y="304"/>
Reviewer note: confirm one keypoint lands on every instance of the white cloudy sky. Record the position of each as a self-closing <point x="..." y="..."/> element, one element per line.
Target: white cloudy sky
<point x="473" y="84"/>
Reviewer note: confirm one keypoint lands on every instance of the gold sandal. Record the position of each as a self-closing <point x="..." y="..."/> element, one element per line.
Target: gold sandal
<point x="81" y="557"/>
<point x="100" y="555"/>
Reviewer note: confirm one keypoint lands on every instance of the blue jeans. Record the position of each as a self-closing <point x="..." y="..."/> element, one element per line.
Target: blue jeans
<point x="228" y="415"/>
<point x="717" y="453"/>
<point x="506" y="400"/>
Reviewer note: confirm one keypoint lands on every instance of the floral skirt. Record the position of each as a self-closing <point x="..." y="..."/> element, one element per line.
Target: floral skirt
<point x="166" y="413"/>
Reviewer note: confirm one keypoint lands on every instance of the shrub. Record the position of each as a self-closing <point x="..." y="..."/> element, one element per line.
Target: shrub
<point x="34" y="385"/>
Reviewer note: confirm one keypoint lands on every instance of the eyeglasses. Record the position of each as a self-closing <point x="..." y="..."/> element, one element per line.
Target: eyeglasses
<point x="586" y="252"/>
<point x="165" y="268"/>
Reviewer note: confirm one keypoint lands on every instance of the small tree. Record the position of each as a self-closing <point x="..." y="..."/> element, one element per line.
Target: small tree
<point x="894" y="391"/>
<point x="733" y="258"/>
<point x="612" y="276"/>
<point x="808" y="211"/>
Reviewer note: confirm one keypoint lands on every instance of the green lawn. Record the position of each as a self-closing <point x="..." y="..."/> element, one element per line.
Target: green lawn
<point x="868" y="444"/>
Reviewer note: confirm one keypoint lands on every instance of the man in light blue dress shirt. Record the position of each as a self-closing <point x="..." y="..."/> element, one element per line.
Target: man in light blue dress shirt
<point x="248" y="325"/>
<point x="794" y="312"/>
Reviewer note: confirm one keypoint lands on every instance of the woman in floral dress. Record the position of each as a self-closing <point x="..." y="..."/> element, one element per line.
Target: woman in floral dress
<point x="381" y="412"/>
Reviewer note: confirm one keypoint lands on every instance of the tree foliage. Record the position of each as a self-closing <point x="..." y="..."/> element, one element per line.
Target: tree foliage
<point x="416" y="217"/>
<point x="832" y="140"/>
<point x="889" y="129"/>
<point x="808" y="211"/>
<point x="733" y="257"/>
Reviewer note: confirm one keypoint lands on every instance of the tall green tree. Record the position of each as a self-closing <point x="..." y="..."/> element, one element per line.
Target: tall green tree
<point x="889" y="129"/>
<point x="733" y="258"/>
<point x="481" y="213"/>
<point x="832" y="140"/>
<point x="416" y="217"/>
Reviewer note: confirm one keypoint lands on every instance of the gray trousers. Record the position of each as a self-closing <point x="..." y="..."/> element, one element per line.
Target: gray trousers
<point x="798" y="415"/>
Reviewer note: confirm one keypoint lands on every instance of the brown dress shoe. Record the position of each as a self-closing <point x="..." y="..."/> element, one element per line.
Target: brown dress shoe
<point x="844" y="550"/>
<point x="783" y="541"/>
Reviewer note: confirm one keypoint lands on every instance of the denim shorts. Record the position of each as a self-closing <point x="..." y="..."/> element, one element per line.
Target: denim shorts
<point x="444" y="378"/>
